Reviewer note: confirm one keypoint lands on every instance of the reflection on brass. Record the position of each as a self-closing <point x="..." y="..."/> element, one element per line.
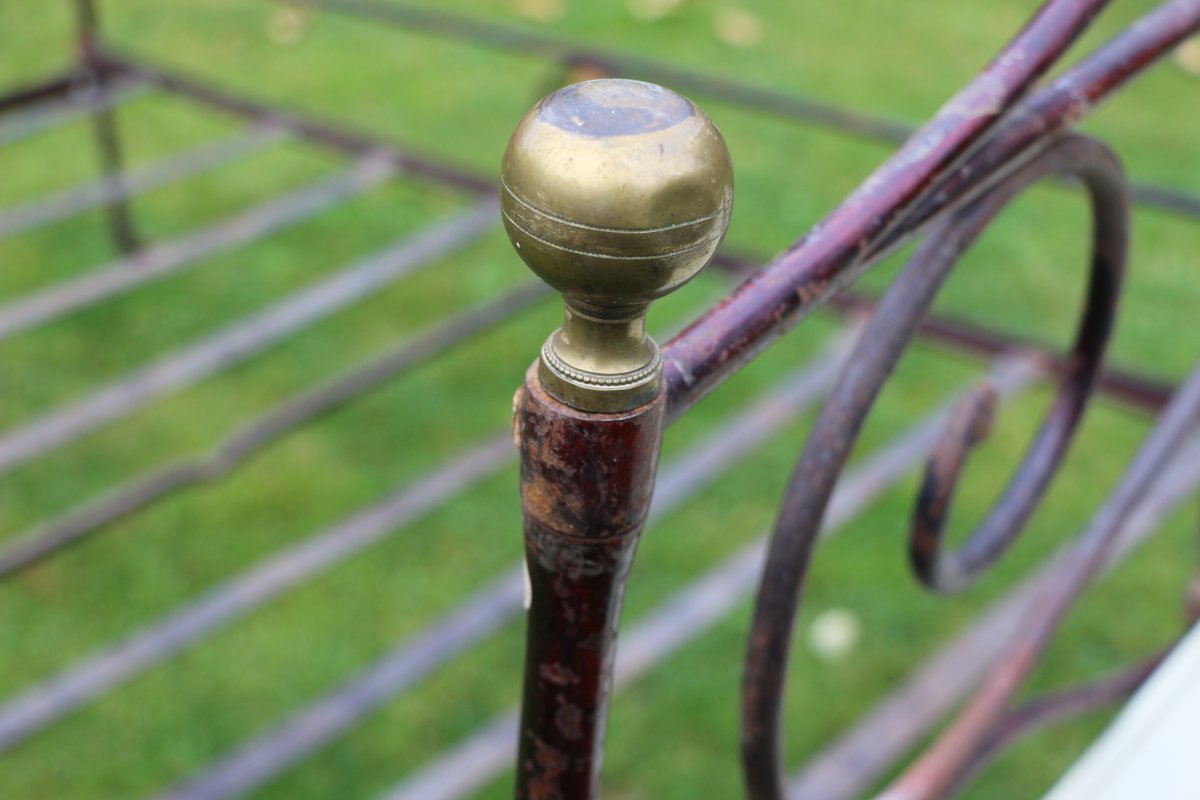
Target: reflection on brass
<point x="616" y="193"/>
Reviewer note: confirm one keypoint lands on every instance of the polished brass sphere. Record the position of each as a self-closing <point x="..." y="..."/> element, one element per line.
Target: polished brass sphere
<point x="614" y="192"/>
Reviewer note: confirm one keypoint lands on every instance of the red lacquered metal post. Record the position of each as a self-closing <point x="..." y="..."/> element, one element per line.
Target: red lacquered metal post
<point x="615" y="193"/>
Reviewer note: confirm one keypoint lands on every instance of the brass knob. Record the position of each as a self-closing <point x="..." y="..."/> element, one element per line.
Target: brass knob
<point x="616" y="193"/>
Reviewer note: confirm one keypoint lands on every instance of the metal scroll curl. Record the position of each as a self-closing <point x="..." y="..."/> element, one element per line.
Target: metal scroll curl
<point x="875" y="356"/>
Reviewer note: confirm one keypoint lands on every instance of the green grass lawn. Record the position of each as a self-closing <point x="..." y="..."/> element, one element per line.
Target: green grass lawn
<point x="459" y="103"/>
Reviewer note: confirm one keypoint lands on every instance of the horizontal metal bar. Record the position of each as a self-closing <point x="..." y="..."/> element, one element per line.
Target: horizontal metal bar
<point x="333" y="136"/>
<point x="244" y="338"/>
<point x="77" y="523"/>
<point x="114" y="188"/>
<point x="256" y="762"/>
<point x="471" y="764"/>
<point x="859" y="758"/>
<point x="1165" y="198"/>
<point x="510" y="38"/>
<point x="54" y="698"/>
<point x="268" y="755"/>
<point x="170" y="258"/>
<point x="1136" y="391"/>
<point x="1061" y="705"/>
<point x="40" y="91"/>
<point x="788" y="105"/>
<point x="17" y="125"/>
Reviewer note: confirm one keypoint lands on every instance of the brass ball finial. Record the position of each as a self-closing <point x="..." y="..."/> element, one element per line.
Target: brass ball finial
<point x="616" y="193"/>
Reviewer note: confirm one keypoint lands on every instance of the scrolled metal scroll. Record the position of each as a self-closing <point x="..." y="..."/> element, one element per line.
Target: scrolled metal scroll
<point x="878" y="350"/>
<point x="953" y="571"/>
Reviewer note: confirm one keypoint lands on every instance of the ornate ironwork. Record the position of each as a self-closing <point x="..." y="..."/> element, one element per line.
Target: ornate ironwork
<point x="653" y="194"/>
<point x="947" y="182"/>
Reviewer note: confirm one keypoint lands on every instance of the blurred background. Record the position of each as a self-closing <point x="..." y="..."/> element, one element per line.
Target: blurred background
<point x="673" y="732"/>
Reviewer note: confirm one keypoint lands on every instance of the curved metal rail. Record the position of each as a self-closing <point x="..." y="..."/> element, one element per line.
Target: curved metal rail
<point x="874" y="358"/>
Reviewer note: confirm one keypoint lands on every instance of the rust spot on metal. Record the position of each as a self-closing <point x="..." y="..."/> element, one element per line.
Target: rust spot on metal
<point x="546" y="767"/>
<point x="558" y="675"/>
<point x="569" y="720"/>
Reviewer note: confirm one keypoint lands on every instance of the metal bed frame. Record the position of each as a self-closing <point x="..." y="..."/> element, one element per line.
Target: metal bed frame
<point x="946" y="182"/>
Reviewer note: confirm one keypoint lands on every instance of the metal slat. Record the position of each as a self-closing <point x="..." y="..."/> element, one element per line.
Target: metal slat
<point x="17" y="125"/>
<point x="243" y="339"/>
<point x="52" y="699"/>
<point x="160" y="261"/>
<point x="322" y="721"/>
<point x="335" y="137"/>
<point x="49" y="88"/>
<point x="50" y="537"/>
<point x="109" y="190"/>
<point x="786" y="105"/>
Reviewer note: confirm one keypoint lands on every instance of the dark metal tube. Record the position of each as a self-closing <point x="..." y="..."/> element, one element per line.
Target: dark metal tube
<point x="42" y="90"/>
<point x="104" y="127"/>
<point x="586" y="482"/>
